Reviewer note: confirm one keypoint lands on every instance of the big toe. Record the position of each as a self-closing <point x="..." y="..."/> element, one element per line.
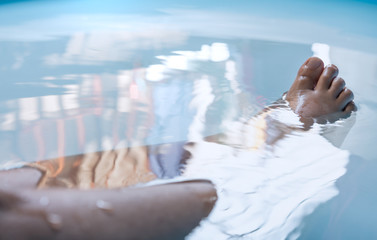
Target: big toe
<point x="308" y="74"/>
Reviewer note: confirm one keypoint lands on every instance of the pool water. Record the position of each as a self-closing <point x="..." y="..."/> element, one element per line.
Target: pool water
<point x="103" y="89"/>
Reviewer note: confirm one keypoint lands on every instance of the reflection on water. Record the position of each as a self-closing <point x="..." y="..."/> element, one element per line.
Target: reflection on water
<point x="108" y="169"/>
<point x="186" y="96"/>
<point x="277" y="175"/>
<point x="133" y="106"/>
<point x="111" y="130"/>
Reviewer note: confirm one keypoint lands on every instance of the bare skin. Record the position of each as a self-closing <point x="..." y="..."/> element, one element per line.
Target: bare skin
<point x="318" y="93"/>
<point x="159" y="212"/>
<point x="167" y="211"/>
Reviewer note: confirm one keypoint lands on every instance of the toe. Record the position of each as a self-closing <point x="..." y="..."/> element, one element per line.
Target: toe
<point x="351" y="107"/>
<point x="337" y="86"/>
<point x="308" y="74"/>
<point x="327" y="76"/>
<point x="345" y="97"/>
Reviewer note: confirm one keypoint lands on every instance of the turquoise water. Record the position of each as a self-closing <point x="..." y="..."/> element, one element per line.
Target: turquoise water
<point x="80" y="77"/>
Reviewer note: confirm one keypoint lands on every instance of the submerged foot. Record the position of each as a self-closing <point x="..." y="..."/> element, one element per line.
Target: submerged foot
<point x="318" y="93"/>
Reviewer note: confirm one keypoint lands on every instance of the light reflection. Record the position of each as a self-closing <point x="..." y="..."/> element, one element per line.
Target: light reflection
<point x="175" y="62"/>
<point x="50" y="104"/>
<point x="155" y="72"/>
<point x="268" y="185"/>
<point x="132" y="115"/>
<point x="322" y="51"/>
<point x="28" y="109"/>
<point x="204" y="96"/>
<point x="49" y="78"/>
<point x="132" y="126"/>
<point x="219" y="52"/>
<point x="96" y="47"/>
<point x="69" y="101"/>
<point x="8" y="121"/>
<point x="231" y="75"/>
<point x="124" y="104"/>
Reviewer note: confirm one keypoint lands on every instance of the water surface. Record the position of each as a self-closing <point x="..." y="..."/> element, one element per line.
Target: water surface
<point x="94" y="85"/>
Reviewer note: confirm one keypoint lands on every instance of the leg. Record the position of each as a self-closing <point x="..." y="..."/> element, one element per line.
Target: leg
<point x="168" y="211"/>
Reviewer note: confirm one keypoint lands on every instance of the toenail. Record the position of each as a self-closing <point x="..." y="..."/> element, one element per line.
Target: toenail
<point x="333" y="67"/>
<point x="313" y="63"/>
<point x="331" y="70"/>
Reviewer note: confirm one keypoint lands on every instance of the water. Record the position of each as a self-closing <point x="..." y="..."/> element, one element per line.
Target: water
<point x="95" y="85"/>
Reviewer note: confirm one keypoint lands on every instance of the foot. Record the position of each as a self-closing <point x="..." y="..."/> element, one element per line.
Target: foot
<point x="318" y="93"/>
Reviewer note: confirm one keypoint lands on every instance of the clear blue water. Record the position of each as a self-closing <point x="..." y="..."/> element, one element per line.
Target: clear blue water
<point x="85" y="76"/>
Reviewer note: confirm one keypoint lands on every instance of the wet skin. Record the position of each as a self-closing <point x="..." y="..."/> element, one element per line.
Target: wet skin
<point x="318" y="93"/>
<point x="161" y="212"/>
<point x="167" y="211"/>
